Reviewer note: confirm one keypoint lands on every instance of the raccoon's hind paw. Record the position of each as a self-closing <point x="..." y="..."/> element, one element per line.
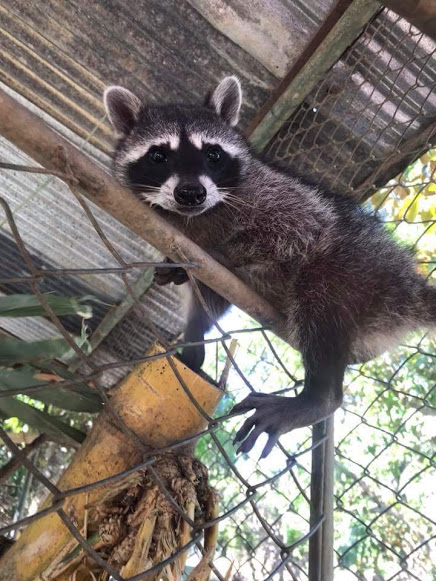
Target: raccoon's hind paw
<point x="272" y="416"/>
<point x="164" y="275"/>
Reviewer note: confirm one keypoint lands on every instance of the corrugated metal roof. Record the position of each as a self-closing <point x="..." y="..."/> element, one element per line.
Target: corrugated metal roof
<point x="274" y="32"/>
<point x="62" y="57"/>
<point x="29" y="328"/>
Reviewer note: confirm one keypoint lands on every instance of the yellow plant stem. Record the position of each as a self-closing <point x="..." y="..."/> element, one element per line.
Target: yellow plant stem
<point x="153" y="404"/>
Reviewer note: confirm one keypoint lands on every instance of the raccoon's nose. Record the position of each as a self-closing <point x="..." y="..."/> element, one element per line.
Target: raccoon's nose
<point x="190" y="194"/>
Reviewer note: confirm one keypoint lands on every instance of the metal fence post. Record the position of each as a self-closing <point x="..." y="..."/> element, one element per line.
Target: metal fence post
<point x="321" y="503"/>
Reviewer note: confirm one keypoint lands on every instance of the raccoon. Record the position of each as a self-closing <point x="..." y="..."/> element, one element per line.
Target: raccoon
<point x="347" y="291"/>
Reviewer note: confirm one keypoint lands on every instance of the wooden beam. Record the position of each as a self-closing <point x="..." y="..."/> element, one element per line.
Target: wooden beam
<point x="325" y="27"/>
<point x="326" y="54"/>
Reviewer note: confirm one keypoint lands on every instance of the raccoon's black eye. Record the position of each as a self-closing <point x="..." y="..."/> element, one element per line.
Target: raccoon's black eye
<point x="157" y="154"/>
<point x="214" y="154"/>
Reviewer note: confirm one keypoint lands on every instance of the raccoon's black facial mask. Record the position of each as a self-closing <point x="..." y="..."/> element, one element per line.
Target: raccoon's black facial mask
<point x="188" y="175"/>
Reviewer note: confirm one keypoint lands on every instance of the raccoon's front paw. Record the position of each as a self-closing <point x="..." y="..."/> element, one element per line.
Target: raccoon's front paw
<point x="272" y="415"/>
<point x="164" y="275"/>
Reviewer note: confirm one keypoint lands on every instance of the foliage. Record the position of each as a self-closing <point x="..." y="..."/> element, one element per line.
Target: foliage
<point x="78" y="397"/>
<point x="407" y="205"/>
<point x="24" y="365"/>
<point x="23" y="305"/>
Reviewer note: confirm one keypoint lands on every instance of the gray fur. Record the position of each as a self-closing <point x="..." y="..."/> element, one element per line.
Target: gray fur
<point x="122" y="107"/>
<point x="347" y="290"/>
<point x="227" y="100"/>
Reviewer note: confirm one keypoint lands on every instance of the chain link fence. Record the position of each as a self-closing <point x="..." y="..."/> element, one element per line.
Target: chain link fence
<point x="384" y="526"/>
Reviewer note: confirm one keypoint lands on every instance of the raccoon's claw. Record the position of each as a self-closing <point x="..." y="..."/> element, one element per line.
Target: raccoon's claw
<point x="271" y="416"/>
<point x="165" y="275"/>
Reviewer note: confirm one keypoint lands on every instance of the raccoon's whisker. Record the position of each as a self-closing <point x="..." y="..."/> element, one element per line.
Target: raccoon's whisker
<point x="230" y="195"/>
<point x="236" y="197"/>
<point x="230" y="205"/>
<point x="146" y="187"/>
<point x="234" y="208"/>
<point x="236" y="204"/>
<point x="237" y="201"/>
<point x="233" y="204"/>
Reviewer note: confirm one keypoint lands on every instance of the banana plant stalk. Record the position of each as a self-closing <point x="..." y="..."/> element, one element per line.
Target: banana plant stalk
<point x="130" y="523"/>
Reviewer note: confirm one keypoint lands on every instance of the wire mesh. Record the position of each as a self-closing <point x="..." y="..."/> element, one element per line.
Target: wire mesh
<point x="384" y="526"/>
<point x="370" y="116"/>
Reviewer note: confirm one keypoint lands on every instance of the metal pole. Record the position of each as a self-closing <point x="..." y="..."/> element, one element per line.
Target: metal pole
<point x="321" y="503"/>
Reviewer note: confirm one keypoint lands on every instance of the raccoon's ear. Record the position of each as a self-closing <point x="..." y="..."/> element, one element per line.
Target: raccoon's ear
<point x="122" y="108"/>
<point x="227" y="99"/>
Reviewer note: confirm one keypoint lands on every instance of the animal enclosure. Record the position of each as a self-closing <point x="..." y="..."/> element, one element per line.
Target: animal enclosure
<point x="359" y="499"/>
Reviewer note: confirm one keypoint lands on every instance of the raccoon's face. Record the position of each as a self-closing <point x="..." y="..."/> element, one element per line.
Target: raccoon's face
<point x="183" y="159"/>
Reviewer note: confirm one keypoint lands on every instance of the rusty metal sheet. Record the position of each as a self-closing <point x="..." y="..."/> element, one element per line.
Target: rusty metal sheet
<point x="62" y="56"/>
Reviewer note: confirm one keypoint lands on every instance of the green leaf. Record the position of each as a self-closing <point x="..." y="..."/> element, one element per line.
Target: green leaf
<point x="40" y="420"/>
<point x="17" y="351"/>
<point x="80" y="398"/>
<point x="22" y="305"/>
<point x="81" y="388"/>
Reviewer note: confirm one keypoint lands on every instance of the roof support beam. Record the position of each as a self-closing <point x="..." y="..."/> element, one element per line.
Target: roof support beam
<point x="325" y="52"/>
